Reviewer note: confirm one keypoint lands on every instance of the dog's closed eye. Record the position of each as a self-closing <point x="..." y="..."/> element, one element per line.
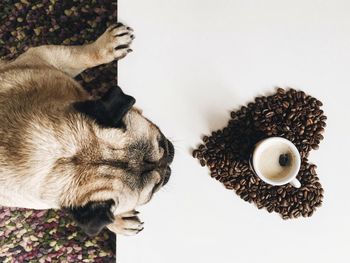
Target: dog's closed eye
<point x="148" y="166"/>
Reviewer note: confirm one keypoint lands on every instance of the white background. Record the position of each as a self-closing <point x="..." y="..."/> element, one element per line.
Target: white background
<point x="193" y="62"/>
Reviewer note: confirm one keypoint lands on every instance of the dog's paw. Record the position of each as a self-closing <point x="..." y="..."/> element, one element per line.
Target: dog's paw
<point x="114" y="43"/>
<point x="126" y="224"/>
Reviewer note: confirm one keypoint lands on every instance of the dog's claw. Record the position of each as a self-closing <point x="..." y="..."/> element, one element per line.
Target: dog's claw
<point x="127" y="224"/>
<point x="110" y="28"/>
<point x="114" y="43"/>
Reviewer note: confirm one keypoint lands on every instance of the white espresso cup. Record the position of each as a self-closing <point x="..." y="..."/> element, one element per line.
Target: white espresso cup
<point x="276" y="161"/>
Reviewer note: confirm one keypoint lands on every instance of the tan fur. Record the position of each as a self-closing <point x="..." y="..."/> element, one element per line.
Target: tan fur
<point x="50" y="155"/>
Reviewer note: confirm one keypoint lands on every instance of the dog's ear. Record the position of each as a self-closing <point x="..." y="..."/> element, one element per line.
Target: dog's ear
<point x="93" y="216"/>
<point x="109" y="110"/>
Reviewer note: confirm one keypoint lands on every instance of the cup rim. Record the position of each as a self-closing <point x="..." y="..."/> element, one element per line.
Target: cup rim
<point x="261" y="145"/>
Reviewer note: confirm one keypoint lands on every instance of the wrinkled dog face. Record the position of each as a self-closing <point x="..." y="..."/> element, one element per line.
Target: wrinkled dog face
<point x="131" y="156"/>
<point x="148" y="154"/>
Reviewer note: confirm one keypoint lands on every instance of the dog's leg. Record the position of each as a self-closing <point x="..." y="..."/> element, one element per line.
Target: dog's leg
<point x="112" y="44"/>
<point x="126" y="224"/>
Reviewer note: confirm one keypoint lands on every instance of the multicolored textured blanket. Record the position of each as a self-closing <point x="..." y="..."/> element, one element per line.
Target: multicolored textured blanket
<point x="51" y="235"/>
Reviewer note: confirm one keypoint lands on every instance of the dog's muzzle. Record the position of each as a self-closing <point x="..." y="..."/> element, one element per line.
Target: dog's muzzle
<point x="165" y="163"/>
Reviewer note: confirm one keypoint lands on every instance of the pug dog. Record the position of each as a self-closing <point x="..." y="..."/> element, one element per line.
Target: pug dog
<point x="62" y="149"/>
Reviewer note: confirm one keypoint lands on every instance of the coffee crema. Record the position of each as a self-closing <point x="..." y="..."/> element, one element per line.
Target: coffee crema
<point x="276" y="162"/>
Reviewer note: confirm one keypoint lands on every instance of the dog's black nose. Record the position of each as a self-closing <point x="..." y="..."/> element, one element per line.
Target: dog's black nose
<point x="167" y="175"/>
<point x="171" y="152"/>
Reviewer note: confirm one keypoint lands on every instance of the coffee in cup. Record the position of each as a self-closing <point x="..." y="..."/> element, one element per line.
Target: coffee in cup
<point x="276" y="161"/>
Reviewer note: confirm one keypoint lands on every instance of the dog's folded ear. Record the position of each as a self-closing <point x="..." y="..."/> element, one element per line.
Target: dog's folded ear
<point x="109" y="110"/>
<point x="93" y="216"/>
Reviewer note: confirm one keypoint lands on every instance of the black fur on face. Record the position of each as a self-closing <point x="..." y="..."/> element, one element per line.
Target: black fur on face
<point x="93" y="216"/>
<point x="109" y="110"/>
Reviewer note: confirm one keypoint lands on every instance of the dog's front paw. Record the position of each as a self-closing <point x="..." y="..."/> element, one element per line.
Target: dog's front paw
<point x="127" y="224"/>
<point x="114" y="43"/>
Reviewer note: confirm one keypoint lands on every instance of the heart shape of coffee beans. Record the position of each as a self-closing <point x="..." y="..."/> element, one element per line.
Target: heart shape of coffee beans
<point x="291" y="114"/>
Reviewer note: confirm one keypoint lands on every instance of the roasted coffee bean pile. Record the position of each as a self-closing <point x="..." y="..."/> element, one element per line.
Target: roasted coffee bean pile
<point x="51" y="235"/>
<point x="26" y="24"/>
<point x="291" y="114"/>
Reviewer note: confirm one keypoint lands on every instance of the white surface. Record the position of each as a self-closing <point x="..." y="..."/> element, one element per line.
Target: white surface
<point x="193" y="61"/>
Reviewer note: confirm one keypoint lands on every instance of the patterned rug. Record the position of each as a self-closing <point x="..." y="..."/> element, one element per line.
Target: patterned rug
<point x="51" y="235"/>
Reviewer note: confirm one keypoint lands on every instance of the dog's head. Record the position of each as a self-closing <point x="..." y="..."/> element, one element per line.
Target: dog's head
<point x="132" y="160"/>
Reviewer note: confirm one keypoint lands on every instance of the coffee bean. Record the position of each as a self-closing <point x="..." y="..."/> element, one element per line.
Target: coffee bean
<point x="253" y="195"/>
<point x="285" y="203"/>
<point x="311" y="197"/>
<point x="320" y="130"/>
<point x="281" y="91"/>
<point x="205" y="139"/>
<point x="285" y="104"/>
<point x="195" y="153"/>
<point x="269" y="114"/>
<point x="252" y="180"/>
<point x="233" y="115"/>
<point x="319" y="103"/>
<point x="201" y="147"/>
<point x="313" y="170"/>
<point x="289" y="114"/>
<point x="309" y="122"/>
<point x="284" y="194"/>
<point x="315" y="146"/>
<point x="270" y="208"/>
<point x="285" y="216"/>
<point x="245" y="197"/>
<point x="319" y="137"/>
<point x="296" y="213"/>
